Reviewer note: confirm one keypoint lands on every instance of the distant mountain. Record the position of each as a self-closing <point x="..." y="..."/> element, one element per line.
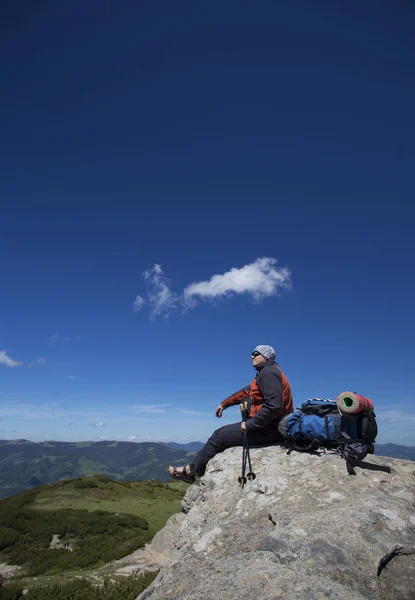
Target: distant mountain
<point x="395" y="451"/>
<point x="190" y="447"/>
<point x="25" y="464"/>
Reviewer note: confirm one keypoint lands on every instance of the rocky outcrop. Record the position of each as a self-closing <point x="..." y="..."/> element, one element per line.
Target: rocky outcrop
<point x="8" y="571"/>
<point x="55" y="544"/>
<point x="139" y="562"/>
<point x="303" y="528"/>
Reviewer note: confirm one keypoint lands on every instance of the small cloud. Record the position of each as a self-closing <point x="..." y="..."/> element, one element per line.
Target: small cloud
<point x="71" y="377"/>
<point x="160" y="297"/>
<point x="150" y="408"/>
<point x="138" y="304"/>
<point x="259" y="279"/>
<point x="99" y="424"/>
<point x="6" y="433"/>
<point x="56" y="337"/>
<point x="78" y="339"/>
<point x="40" y="361"/>
<point x="194" y="413"/>
<point x="7" y="361"/>
<point x="69" y="424"/>
<point x="140" y="438"/>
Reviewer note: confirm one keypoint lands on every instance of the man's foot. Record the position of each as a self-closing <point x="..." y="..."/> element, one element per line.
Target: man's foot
<point x="182" y="474"/>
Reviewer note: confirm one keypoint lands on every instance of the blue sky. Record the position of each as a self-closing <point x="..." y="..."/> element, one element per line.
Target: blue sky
<point x="180" y="182"/>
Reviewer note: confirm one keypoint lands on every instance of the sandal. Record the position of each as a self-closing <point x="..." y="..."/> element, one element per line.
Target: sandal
<point x="181" y="475"/>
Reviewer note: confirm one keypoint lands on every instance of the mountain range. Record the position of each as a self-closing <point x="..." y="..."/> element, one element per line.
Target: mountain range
<point x="395" y="451"/>
<point x="25" y="464"/>
<point x="190" y="446"/>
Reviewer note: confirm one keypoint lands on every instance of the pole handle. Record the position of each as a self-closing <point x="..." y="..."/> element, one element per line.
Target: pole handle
<point x="244" y="410"/>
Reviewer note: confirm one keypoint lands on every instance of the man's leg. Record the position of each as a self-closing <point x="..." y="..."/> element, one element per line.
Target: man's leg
<point x="230" y="436"/>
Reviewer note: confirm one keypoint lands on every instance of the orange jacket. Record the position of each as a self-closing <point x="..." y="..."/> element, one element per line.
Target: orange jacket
<point x="269" y="394"/>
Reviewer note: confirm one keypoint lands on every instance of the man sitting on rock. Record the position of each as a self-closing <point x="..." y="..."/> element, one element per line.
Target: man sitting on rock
<point x="270" y="399"/>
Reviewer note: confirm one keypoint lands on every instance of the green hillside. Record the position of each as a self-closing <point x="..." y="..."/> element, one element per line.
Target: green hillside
<point x="102" y="520"/>
<point x="154" y="502"/>
<point x="24" y="464"/>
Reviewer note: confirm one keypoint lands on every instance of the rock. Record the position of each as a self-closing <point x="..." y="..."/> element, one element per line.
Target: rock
<point x="55" y="544"/>
<point x="8" y="571"/>
<point x="139" y="562"/>
<point x="163" y="541"/>
<point x="249" y="576"/>
<point x="397" y="577"/>
<point x="192" y="495"/>
<point x="303" y="528"/>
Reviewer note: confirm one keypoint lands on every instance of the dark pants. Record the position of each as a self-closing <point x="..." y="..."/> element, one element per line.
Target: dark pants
<point x="230" y="436"/>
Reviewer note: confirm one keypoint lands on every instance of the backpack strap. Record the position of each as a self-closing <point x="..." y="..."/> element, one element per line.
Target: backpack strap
<point x="314" y="447"/>
<point x="369" y="427"/>
<point x="320" y="411"/>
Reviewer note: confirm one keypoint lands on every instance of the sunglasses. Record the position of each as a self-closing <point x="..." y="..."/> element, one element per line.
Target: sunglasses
<point x="256" y="353"/>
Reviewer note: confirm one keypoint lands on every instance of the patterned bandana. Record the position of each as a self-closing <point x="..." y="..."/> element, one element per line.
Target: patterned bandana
<point x="266" y="351"/>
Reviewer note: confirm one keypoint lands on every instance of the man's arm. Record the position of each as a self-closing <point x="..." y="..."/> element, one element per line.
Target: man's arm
<point x="236" y="398"/>
<point x="270" y="386"/>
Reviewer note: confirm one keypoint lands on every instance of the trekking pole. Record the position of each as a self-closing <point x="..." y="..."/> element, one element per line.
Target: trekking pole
<point x="251" y="475"/>
<point x="245" y="450"/>
<point x="242" y="479"/>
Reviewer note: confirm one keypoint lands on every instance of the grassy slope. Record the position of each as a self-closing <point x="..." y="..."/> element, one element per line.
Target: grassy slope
<point x="148" y="499"/>
<point x="153" y="501"/>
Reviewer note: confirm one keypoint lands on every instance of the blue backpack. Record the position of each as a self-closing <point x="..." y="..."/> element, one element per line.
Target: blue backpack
<point x="319" y="424"/>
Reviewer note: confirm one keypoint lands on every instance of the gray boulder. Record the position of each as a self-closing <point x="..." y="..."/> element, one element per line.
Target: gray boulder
<point x="303" y="528"/>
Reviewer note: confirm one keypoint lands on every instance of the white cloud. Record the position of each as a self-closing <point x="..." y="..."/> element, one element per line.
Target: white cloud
<point x="396" y="424"/>
<point x="150" y="408"/>
<point x="51" y="411"/>
<point x="395" y="414"/>
<point x="40" y="361"/>
<point x="28" y="411"/>
<point x="138" y="303"/>
<point x="259" y="279"/>
<point x="7" y="361"/>
<point x="71" y="377"/>
<point x="6" y="434"/>
<point x="160" y="297"/>
<point x="56" y="337"/>
<point x="194" y="413"/>
<point x="99" y="424"/>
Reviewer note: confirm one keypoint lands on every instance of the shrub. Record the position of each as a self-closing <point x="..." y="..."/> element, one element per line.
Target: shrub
<point x="80" y="589"/>
<point x="98" y="538"/>
<point x="84" y="483"/>
<point x="11" y="591"/>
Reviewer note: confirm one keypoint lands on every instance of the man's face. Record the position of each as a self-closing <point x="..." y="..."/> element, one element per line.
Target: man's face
<point x="257" y="359"/>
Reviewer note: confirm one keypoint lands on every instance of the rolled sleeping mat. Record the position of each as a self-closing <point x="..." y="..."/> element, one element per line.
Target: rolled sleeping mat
<point x="350" y="403"/>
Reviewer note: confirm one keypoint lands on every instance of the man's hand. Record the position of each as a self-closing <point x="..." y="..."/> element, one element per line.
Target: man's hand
<point x="243" y="427"/>
<point x="219" y="410"/>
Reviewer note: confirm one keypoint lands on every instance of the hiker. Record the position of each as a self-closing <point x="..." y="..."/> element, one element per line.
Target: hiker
<point x="270" y="399"/>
